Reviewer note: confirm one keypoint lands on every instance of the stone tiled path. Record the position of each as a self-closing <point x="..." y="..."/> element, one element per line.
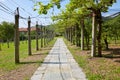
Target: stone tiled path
<point x="59" y="65"/>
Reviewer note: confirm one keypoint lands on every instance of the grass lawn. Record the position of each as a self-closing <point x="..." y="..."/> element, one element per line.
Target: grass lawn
<point x="8" y="66"/>
<point x="104" y="68"/>
<point x="7" y="54"/>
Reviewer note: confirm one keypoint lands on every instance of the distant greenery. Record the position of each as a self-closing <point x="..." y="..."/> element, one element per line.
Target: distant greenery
<point x="7" y="54"/>
<point x="111" y="31"/>
<point x="6" y="32"/>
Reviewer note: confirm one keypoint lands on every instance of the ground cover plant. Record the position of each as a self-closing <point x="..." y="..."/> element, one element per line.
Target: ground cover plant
<point x="28" y="64"/>
<point x="98" y="68"/>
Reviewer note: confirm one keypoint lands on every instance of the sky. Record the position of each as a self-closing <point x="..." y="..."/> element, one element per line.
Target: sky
<point x="113" y="9"/>
<point x="26" y="10"/>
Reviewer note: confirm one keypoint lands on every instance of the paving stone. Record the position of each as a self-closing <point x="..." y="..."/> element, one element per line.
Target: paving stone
<point x="59" y="65"/>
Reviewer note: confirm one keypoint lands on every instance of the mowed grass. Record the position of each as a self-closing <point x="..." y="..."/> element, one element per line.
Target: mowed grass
<point x="7" y="61"/>
<point x="95" y="68"/>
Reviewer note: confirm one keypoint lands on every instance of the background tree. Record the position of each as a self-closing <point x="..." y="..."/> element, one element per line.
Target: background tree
<point x="7" y="31"/>
<point x="111" y="29"/>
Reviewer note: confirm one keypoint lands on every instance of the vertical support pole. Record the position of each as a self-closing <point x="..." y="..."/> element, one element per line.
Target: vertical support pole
<point x="44" y="36"/>
<point x="68" y="34"/>
<point x="71" y="34"/>
<point x="0" y="46"/>
<point x="93" y="47"/>
<point x="41" y="37"/>
<point x="17" y="36"/>
<point x="74" y="35"/>
<point x="37" y="48"/>
<point x="29" y="37"/>
<point x="99" y="20"/>
<point x="82" y="34"/>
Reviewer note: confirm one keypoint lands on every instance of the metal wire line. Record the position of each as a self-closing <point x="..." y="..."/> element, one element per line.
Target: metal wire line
<point x="21" y="7"/>
<point x="6" y="10"/>
<point x="3" y="5"/>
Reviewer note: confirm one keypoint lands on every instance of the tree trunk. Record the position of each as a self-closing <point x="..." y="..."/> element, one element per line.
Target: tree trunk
<point x="71" y="35"/>
<point x="106" y="43"/>
<point x="8" y="43"/>
<point x="93" y="47"/>
<point x="87" y="41"/>
<point x="68" y="34"/>
<point x="82" y="34"/>
<point x="77" y="35"/>
<point x="86" y="38"/>
<point x="78" y="40"/>
<point x="115" y="39"/>
<point x="99" y="21"/>
<point x="74" y="35"/>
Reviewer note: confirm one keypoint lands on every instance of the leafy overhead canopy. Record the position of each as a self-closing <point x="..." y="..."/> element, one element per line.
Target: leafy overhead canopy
<point x="43" y="8"/>
<point x="75" y="4"/>
<point x="91" y="4"/>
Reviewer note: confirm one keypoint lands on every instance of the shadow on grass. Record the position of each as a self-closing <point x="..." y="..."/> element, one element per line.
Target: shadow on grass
<point x="114" y="53"/>
<point x="46" y="48"/>
<point x="31" y="62"/>
<point x="117" y="61"/>
<point x="38" y="54"/>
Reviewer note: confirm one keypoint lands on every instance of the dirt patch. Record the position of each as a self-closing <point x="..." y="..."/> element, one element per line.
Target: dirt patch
<point x="28" y="66"/>
<point x="99" y="68"/>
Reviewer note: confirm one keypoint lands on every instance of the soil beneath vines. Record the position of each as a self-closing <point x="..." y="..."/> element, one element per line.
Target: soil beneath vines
<point x="27" y="67"/>
<point x="107" y="67"/>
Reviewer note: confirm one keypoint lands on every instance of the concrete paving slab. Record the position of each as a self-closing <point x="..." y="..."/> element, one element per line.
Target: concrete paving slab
<point x="59" y="65"/>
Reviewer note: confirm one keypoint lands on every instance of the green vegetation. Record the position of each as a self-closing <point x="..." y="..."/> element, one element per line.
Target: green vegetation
<point x="6" y="32"/>
<point x="95" y="68"/>
<point x="7" y="54"/>
<point x="75" y="14"/>
<point x="111" y="31"/>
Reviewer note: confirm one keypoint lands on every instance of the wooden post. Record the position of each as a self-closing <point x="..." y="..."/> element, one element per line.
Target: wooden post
<point x="44" y="36"/>
<point x="17" y="36"/>
<point x="41" y="37"/>
<point x="0" y="46"/>
<point x="71" y="34"/>
<point x="29" y="37"/>
<point x="37" y="48"/>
